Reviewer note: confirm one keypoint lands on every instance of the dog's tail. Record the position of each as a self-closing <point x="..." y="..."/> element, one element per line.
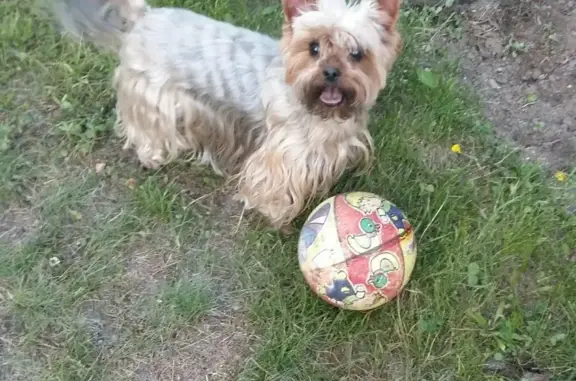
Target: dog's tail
<point x="102" y="22"/>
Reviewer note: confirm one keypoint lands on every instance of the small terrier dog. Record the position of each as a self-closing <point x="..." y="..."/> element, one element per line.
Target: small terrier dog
<point x="284" y="118"/>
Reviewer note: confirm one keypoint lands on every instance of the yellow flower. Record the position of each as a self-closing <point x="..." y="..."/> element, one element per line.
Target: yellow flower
<point x="456" y="148"/>
<point x="561" y="176"/>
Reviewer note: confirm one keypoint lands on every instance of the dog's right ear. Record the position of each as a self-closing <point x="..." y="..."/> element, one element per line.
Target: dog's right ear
<point x="293" y="8"/>
<point x="391" y="9"/>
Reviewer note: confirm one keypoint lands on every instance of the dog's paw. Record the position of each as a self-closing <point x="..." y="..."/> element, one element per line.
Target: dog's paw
<point x="153" y="162"/>
<point x="150" y="164"/>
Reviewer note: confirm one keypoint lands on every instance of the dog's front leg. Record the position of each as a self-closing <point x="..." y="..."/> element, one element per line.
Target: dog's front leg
<point x="278" y="182"/>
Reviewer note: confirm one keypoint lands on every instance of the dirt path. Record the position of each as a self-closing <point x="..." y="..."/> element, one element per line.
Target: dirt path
<point x="520" y="57"/>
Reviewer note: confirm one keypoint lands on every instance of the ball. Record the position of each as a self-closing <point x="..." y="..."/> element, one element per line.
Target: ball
<point x="357" y="250"/>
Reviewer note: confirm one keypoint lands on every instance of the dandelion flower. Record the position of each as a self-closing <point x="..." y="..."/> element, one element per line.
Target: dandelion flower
<point x="456" y="148"/>
<point x="561" y="176"/>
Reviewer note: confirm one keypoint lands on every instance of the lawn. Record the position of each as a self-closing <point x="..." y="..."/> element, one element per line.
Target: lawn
<point x="111" y="272"/>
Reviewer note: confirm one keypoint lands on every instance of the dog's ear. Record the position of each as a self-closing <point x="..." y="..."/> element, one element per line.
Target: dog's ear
<point x="391" y="9"/>
<point x="293" y="8"/>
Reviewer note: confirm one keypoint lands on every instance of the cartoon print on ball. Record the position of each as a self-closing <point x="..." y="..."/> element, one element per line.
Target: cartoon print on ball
<point x="382" y="273"/>
<point x="312" y="228"/>
<point x="326" y="258"/>
<point x="358" y="251"/>
<point x="360" y="232"/>
<point x="395" y="215"/>
<point x="369" y="238"/>
<point x="342" y="291"/>
<point x="364" y="202"/>
<point x="380" y="266"/>
<point x="386" y="211"/>
<point x="409" y="249"/>
<point x="408" y="242"/>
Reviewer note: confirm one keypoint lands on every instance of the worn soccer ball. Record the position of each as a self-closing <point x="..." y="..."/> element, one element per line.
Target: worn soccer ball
<point x="357" y="251"/>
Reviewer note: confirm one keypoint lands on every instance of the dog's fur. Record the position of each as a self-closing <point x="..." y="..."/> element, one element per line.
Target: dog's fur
<point x="254" y="108"/>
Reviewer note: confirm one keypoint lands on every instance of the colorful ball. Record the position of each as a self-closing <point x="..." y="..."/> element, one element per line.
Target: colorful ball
<point x="357" y="251"/>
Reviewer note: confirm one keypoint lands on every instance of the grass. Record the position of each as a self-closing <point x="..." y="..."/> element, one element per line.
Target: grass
<point x="130" y="275"/>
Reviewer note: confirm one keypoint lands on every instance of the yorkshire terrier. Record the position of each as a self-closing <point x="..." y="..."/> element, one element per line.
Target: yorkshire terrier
<point x="283" y="118"/>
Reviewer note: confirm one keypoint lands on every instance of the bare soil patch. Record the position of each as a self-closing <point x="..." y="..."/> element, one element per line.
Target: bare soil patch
<point x="520" y="57"/>
<point x="213" y="350"/>
<point x="16" y="225"/>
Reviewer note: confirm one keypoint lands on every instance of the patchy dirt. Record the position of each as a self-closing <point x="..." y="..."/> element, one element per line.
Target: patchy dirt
<point x="147" y="265"/>
<point x="14" y="366"/>
<point x="16" y="225"/>
<point x="214" y="347"/>
<point x="520" y="56"/>
<point x="212" y="350"/>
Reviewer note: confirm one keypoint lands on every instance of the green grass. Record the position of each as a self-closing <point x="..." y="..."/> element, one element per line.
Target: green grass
<point x="129" y="274"/>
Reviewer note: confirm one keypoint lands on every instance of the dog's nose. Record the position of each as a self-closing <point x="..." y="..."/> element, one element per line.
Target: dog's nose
<point x="331" y="74"/>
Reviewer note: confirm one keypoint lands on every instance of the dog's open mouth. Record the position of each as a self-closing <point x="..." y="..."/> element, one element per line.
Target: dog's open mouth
<point x="331" y="96"/>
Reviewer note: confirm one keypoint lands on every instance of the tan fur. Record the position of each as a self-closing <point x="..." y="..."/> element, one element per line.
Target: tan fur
<point x="304" y="153"/>
<point x="161" y="122"/>
<point x="363" y="80"/>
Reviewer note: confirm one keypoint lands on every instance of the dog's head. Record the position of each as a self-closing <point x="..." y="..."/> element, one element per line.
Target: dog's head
<point x="337" y="53"/>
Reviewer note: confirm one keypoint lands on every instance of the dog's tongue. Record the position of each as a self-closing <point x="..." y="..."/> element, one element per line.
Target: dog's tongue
<point x="331" y="96"/>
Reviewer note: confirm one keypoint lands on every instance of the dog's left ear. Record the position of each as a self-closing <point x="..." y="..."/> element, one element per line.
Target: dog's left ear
<point x="391" y="8"/>
<point x="293" y="8"/>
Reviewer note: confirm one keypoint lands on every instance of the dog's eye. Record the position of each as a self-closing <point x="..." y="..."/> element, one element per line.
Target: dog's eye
<point x="314" y="48"/>
<point x="357" y="55"/>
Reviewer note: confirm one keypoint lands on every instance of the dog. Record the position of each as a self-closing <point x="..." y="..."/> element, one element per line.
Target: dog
<point x="283" y="118"/>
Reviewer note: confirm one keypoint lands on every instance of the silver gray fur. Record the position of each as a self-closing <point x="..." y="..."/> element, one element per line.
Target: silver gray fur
<point x="217" y="61"/>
